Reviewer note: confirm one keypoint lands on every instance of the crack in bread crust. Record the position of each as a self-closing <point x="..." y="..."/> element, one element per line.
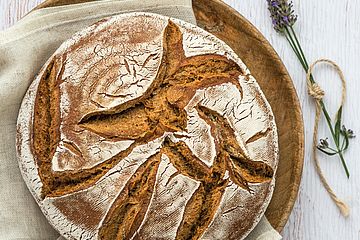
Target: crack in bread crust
<point x="129" y="208"/>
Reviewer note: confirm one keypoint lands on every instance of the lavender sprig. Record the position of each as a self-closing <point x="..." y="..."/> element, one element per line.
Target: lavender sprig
<point x="283" y="19"/>
<point x="282" y="14"/>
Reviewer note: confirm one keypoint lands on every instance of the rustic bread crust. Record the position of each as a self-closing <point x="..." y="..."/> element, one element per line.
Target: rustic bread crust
<point x="141" y="127"/>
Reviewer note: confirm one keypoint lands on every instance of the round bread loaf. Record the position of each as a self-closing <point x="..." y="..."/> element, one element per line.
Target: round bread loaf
<point x="147" y="127"/>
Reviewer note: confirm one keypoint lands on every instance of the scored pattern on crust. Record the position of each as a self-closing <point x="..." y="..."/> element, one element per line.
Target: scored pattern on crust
<point x="158" y="119"/>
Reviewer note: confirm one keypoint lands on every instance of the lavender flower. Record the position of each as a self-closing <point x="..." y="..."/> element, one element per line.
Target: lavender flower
<point x="282" y="14"/>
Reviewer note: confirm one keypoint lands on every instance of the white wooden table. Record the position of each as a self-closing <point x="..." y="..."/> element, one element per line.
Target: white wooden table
<point x="327" y="28"/>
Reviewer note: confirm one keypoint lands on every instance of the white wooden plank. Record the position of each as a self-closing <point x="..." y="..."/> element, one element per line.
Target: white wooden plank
<point x="327" y="28"/>
<point x="13" y="10"/>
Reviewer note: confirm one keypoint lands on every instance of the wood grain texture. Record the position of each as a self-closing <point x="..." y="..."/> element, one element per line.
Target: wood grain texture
<point x="326" y="29"/>
<point x="12" y="10"/>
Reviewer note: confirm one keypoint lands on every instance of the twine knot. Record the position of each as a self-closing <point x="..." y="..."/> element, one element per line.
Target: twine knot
<point x="315" y="91"/>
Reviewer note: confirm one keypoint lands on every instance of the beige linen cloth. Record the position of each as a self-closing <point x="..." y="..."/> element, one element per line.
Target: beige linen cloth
<point x="24" y="48"/>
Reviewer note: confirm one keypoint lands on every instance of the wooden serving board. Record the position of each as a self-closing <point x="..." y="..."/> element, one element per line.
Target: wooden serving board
<point x="269" y="71"/>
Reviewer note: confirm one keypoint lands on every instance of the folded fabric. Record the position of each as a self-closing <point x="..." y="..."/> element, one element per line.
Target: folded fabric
<point x="24" y="48"/>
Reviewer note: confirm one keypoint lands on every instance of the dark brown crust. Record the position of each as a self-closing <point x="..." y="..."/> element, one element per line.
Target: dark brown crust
<point x="46" y="135"/>
<point x="127" y="212"/>
<point x="242" y="169"/>
<point x="185" y="161"/>
<point x="200" y="210"/>
<point x="202" y="206"/>
<point x="258" y="135"/>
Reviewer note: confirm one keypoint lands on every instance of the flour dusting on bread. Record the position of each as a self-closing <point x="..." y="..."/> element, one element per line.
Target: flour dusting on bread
<point x="143" y="126"/>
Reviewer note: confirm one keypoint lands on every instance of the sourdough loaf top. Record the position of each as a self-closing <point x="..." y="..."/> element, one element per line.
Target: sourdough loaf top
<point x="145" y="127"/>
